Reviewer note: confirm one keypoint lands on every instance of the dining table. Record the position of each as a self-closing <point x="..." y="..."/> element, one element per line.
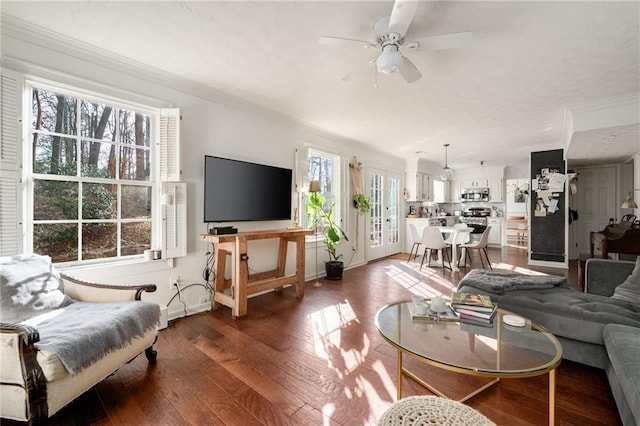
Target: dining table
<point x="457" y="236"/>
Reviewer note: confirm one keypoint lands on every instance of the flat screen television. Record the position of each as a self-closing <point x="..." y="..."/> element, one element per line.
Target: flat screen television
<point x="237" y="191"/>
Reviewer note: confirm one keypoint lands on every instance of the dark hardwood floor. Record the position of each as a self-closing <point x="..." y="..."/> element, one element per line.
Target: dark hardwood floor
<point x="321" y="361"/>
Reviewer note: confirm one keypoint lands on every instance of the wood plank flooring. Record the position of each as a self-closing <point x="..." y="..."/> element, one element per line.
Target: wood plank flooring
<point x="320" y="361"/>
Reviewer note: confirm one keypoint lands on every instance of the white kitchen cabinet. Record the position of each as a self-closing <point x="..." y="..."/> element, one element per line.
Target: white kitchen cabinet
<point x="476" y="183"/>
<point x="427" y="187"/>
<point x="495" y="234"/>
<point x="420" y="187"/>
<point x="496" y="191"/>
<point x="456" y="191"/>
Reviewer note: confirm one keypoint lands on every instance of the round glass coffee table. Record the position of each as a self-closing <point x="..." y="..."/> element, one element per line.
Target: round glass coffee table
<point x="493" y="350"/>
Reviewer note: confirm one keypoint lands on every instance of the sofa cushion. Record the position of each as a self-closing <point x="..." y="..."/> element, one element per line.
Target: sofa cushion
<point x="629" y="290"/>
<point x="623" y="347"/>
<point x="29" y="286"/>
<point x="51" y="366"/>
<point x="567" y="312"/>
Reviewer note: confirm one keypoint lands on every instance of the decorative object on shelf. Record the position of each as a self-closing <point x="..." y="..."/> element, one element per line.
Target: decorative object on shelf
<point x="447" y="173"/>
<point x="628" y="202"/>
<point x="295" y="224"/>
<point x="322" y="219"/>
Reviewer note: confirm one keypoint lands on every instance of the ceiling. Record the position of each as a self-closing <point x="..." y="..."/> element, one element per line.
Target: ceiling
<point x="498" y="98"/>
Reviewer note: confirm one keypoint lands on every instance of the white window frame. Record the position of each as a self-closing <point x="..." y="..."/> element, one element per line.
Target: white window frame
<point x="29" y="176"/>
<point x="336" y="186"/>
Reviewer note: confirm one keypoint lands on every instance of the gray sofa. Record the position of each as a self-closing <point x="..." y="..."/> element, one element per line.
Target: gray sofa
<point x="593" y="328"/>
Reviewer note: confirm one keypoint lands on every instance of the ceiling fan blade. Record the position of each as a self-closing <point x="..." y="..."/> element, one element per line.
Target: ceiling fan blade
<point x="402" y="15"/>
<point x="341" y="41"/>
<point x="446" y="41"/>
<point x="409" y="71"/>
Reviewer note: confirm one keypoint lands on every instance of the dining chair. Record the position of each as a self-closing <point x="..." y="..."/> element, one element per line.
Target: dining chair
<point x="416" y="239"/>
<point x="458" y="235"/>
<point x="457" y="238"/>
<point x="432" y="240"/>
<point x="481" y="246"/>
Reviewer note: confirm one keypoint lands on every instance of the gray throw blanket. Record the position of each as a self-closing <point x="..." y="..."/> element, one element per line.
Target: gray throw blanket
<point x="83" y="333"/>
<point x="500" y="282"/>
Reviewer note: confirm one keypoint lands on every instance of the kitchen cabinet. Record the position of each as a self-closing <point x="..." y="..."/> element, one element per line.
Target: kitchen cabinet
<point x="427" y="187"/>
<point x="477" y="183"/>
<point x="456" y="191"/>
<point x="496" y="190"/>
<point x="495" y="234"/>
<point x="420" y="187"/>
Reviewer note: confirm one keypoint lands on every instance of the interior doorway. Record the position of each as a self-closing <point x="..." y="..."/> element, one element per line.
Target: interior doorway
<point x="517" y="213"/>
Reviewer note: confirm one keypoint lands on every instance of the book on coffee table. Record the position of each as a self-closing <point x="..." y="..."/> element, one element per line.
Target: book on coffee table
<point x="473" y="301"/>
<point x="448" y="315"/>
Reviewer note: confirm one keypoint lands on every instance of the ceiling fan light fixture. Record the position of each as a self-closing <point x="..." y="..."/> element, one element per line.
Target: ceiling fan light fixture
<point x="389" y="61"/>
<point x="447" y="172"/>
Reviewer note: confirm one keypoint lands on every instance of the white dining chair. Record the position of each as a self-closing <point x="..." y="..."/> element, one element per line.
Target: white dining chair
<point x="416" y="239"/>
<point x="432" y="240"/>
<point x="481" y="246"/>
<point x="460" y="235"/>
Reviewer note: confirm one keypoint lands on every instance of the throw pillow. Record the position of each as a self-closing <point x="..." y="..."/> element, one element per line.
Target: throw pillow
<point x="629" y="290"/>
<point x="29" y="286"/>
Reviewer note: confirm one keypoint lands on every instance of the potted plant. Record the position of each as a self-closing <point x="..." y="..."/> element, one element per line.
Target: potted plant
<point x="362" y="203"/>
<point x="322" y="218"/>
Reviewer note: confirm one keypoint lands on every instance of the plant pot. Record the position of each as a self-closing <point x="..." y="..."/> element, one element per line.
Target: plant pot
<point x="334" y="269"/>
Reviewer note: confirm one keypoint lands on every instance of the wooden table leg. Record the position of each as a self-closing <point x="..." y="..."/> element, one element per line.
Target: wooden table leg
<point x="300" y="259"/>
<point x="220" y="267"/>
<point x="242" y="274"/>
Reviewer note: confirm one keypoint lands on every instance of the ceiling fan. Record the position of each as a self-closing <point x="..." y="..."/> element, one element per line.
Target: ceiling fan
<point x="390" y="32"/>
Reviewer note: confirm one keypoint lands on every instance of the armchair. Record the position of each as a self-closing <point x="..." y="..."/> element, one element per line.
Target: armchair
<point x="52" y="352"/>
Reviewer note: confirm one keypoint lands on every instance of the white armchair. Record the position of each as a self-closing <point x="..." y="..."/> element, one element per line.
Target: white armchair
<point x="34" y="381"/>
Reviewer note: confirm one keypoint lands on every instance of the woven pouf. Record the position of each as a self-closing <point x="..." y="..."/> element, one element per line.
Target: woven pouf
<point x="432" y="410"/>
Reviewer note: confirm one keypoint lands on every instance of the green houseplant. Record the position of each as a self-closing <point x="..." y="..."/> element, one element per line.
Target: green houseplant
<point x="362" y="203"/>
<point x="322" y="218"/>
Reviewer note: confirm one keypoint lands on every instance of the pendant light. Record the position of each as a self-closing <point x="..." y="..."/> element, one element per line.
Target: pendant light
<point x="447" y="173"/>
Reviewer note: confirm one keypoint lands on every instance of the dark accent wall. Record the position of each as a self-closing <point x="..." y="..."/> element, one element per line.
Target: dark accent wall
<point x="547" y="232"/>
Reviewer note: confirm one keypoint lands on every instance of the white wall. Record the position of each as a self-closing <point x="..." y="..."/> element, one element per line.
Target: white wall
<point x="213" y="123"/>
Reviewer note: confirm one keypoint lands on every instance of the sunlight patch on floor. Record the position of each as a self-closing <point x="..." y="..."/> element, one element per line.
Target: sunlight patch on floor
<point x="422" y="282"/>
<point x="328" y="324"/>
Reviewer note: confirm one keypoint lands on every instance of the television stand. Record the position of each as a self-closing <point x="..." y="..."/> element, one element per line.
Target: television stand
<point x="242" y="284"/>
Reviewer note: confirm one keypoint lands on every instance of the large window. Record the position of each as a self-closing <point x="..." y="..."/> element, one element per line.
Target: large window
<point x="325" y="168"/>
<point x="91" y="180"/>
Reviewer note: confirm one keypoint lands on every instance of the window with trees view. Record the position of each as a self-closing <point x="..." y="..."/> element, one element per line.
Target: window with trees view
<point x="324" y="168"/>
<point x="91" y="178"/>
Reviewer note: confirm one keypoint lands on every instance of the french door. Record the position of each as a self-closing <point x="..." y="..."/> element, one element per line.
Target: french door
<point x="383" y="221"/>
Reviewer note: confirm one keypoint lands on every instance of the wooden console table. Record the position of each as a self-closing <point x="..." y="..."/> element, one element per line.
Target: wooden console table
<point x="242" y="284"/>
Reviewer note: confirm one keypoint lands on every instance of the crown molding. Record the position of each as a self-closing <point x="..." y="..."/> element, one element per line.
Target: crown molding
<point x="606" y="113"/>
<point x="29" y="33"/>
